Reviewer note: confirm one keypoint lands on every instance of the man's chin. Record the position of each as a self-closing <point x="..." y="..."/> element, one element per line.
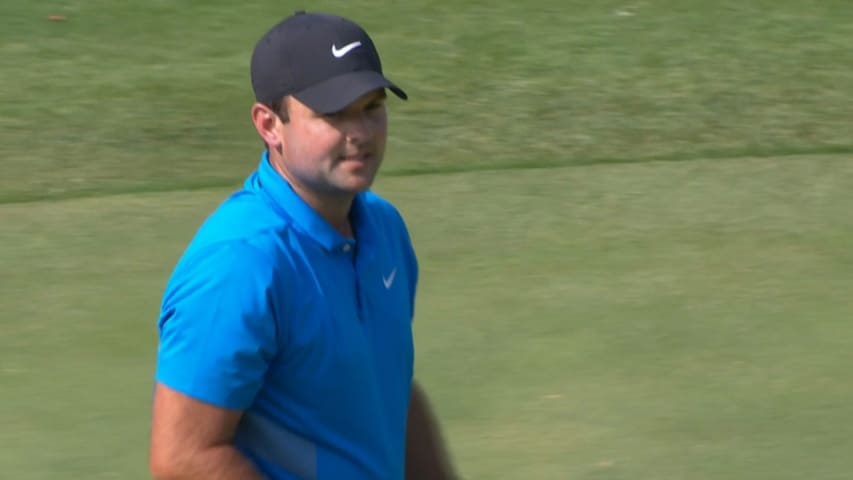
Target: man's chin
<point x="360" y="187"/>
<point x="357" y="183"/>
<point x="350" y="188"/>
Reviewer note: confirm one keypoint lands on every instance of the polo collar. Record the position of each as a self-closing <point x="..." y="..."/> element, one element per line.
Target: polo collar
<point x="279" y="194"/>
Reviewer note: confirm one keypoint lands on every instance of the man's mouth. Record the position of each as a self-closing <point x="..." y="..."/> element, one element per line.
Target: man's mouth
<point x="356" y="157"/>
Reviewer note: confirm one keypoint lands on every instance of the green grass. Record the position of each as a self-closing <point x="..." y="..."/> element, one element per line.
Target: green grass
<point x="660" y="321"/>
<point x="155" y="95"/>
<point x="664" y="296"/>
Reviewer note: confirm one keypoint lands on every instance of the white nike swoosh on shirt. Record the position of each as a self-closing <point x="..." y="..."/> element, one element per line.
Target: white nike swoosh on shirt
<point x="340" y="52"/>
<point x="390" y="279"/>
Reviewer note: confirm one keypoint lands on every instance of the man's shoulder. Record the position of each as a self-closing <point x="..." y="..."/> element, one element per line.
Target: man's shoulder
<point x="242" y="218"/>
<point x="388" y="219"/>
<point x="242" y="231"/>
<point x="382" y="208"/>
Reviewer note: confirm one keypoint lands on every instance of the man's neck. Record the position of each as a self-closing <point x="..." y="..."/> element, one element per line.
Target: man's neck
<point x="333" y="209"/>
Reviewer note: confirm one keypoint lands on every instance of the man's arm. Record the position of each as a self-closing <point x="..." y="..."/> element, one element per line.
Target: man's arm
<point x="192" y="440"/>
<point x="426" y="453"/>
<point x="218" y="335"/>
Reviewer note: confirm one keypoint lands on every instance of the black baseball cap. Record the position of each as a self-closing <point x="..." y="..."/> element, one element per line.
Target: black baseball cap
<point x="324" y="61"/>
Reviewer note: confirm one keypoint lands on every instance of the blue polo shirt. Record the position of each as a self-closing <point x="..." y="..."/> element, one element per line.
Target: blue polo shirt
<point x="271" y="311"/>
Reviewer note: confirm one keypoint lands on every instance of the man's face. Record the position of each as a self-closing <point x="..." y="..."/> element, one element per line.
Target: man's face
<point x="337" y="154"/>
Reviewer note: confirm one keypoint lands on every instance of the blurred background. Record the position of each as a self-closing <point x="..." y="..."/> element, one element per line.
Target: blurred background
<point x="633" y="221"/>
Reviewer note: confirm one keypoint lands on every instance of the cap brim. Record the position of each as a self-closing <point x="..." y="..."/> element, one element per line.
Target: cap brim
<point x="336" y="93"/>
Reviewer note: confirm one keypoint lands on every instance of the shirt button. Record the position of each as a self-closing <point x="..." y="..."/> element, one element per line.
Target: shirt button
<point x="346" y="248"/>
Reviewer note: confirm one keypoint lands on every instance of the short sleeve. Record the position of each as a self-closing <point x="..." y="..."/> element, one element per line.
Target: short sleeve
<point x="218" y="331"/>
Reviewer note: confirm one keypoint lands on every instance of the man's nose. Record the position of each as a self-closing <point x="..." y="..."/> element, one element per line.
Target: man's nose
<point x="360" y="127"/>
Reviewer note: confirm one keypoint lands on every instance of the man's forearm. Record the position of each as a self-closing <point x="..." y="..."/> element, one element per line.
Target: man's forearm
<point x="218" y="463"/>
<point x="427" y="457"/>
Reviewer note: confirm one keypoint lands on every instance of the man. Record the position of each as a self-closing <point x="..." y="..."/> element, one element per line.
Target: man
<point x="285" y="331"/>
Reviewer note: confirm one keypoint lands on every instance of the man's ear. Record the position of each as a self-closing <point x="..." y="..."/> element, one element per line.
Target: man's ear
<point x="265" y="121"/>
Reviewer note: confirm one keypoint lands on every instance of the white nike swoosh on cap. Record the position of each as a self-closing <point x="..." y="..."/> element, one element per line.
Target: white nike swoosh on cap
<point x="340" y="52"/>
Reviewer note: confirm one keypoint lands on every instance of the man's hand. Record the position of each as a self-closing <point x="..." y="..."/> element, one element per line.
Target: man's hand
<point x="426" y="454"/>
<point x="192" y="440"/>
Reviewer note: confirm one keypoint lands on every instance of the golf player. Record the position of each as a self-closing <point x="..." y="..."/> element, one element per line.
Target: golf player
<point x="286" y="347"/>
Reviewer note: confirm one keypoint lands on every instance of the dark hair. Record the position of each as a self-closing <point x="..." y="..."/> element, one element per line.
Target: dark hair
<point x="279" y="107"/>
